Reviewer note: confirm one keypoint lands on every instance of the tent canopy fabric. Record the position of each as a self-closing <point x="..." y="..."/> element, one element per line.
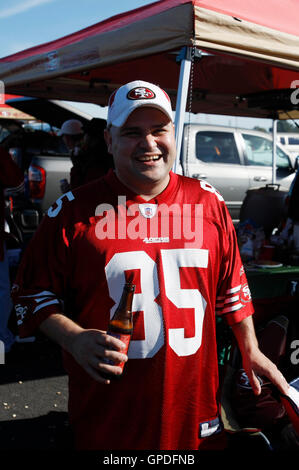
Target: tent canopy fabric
<point x="8" y="112"/>
<point x="249" y="48"/>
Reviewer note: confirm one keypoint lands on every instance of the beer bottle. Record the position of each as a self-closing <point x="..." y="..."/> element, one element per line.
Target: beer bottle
<point x="121" y="324"/>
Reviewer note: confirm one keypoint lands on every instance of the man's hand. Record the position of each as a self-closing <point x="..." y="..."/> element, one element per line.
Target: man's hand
<point x="254" y="361"/>
<point x="89" y="347"/>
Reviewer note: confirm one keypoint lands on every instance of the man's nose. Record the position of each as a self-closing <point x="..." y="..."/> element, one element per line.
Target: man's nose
<point x="148" y="142"/>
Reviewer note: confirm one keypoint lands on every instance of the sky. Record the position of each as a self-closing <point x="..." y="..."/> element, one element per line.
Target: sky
<point x="27" y="23"/>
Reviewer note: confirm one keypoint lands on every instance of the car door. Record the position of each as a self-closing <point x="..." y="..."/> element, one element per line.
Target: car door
<point x="215" y="158"/>
<point x="258" y="159"/>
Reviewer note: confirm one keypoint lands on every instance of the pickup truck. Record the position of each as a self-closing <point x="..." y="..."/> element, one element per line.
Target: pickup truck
<point x="44" y="175"/>
<point x="233" y="160"/>
<point x="47" y="158"/>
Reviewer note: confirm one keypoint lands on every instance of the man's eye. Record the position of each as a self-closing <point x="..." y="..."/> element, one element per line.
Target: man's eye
<point x="159" y="131"/>
<point x="130" y="133"/>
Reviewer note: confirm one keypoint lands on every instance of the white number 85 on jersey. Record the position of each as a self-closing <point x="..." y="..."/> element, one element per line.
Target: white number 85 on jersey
<point x="172" y="260"/>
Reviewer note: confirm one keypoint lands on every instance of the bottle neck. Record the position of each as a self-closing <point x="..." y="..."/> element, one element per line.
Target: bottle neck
<point x="126" y="300"/>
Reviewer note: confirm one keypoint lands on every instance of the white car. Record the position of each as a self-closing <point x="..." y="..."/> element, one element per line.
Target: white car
<point x="290" y="142"/>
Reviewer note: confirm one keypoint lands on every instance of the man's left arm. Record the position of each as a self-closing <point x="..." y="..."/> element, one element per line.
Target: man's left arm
<point x="254" y="361"/>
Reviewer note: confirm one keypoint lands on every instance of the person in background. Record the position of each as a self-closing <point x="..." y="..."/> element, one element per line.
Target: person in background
<point x="91" y="159"/>
<point x="11" y="183"/>
<point x="88" y="245"/>
<point x="72" y="134"/>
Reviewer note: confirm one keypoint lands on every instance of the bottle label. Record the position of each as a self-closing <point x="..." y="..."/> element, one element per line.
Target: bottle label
<point x="126" y="340"/>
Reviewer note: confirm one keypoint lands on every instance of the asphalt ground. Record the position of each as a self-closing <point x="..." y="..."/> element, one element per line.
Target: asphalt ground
<point x="33" y="398"/>
<point x="34" y="427"/>
<point x="33" y="409"/>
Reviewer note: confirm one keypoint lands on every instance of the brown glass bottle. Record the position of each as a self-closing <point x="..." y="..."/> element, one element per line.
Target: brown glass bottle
<point x="121" y="324"/>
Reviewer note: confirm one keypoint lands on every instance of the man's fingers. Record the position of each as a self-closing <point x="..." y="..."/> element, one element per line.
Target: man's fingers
<point x="99" y="353"/>
<point x="97" y="372"/>
<point x="254" y="382"/>
<point x="107" y="356"/>
<point x="278" y="380"/>
<point x="94" y="374"/>
<point x="111" y="342"/>
<point x="271" y="372"/>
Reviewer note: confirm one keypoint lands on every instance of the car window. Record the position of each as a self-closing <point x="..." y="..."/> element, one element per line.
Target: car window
<point x="282" y="140"/>
<point x="293" y="140"/>
<point x="259" y="152"/>
<point x="216" y="147"/>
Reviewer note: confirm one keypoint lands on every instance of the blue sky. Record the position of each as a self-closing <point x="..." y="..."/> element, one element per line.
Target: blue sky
<point x="27" y="23"/>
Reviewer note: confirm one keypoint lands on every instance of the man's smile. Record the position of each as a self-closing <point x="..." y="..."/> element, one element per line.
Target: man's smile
<point x="148" y="158"/>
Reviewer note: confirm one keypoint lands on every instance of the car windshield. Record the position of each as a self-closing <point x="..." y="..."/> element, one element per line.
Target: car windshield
<point x="259" y="151"/>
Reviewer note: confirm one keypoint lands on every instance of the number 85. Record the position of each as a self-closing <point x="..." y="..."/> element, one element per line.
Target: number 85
<point x="171" y="261"/>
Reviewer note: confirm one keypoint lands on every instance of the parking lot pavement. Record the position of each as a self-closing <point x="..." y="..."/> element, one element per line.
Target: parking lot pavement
<point x="33" y="398"/>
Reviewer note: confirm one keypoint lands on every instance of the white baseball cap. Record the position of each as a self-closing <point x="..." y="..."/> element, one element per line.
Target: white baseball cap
<point x="72" y="127"/>
<point x="133" y="95"/>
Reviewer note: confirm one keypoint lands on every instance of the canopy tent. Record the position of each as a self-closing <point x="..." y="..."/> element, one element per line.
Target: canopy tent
<point x="242" y="52"/>
<point x="53" y="112"/>
<point x="8" y="112"/>
<point x="254" y="47"/>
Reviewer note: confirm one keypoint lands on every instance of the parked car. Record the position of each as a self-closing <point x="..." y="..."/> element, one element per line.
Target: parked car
<point x="290" y="142"/>
<point x="233" y="160"/>
<point x="44" y="175"/>
<point x="46" y="156"/>
<point x="43" y="157"/>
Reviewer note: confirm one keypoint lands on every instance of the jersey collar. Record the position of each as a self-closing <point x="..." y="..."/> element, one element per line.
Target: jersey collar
<point x="165" y="196"/>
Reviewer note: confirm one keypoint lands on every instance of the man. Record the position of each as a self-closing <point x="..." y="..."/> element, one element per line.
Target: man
<point x="133" y="222"/>
<point x="88" y="151"/>
<point x="72" y="133"/>
<point x="11" y="182"/>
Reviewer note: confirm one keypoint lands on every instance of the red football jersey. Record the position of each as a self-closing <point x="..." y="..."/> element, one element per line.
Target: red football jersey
<point x="182" y="251"/>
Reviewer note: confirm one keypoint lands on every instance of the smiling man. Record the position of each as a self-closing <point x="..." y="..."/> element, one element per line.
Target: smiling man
<point x="71" y="280"/>
<point x="142" y="144"/>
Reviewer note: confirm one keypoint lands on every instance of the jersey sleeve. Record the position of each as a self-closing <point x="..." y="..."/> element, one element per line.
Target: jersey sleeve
<point x="233" y="301"/>
<point x="41" y="280"/>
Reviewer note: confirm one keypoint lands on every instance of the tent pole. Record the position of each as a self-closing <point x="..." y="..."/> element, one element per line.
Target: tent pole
<point x="274" y="131"/>
<point x="182" y="102"/>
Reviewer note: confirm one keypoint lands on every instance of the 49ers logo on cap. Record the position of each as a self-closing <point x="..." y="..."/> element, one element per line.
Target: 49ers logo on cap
<point x="141" y="93"/>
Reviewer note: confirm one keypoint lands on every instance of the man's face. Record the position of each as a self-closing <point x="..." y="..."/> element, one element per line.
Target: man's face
<point x="69" y="141"/>
<point x="143" y="150"/>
